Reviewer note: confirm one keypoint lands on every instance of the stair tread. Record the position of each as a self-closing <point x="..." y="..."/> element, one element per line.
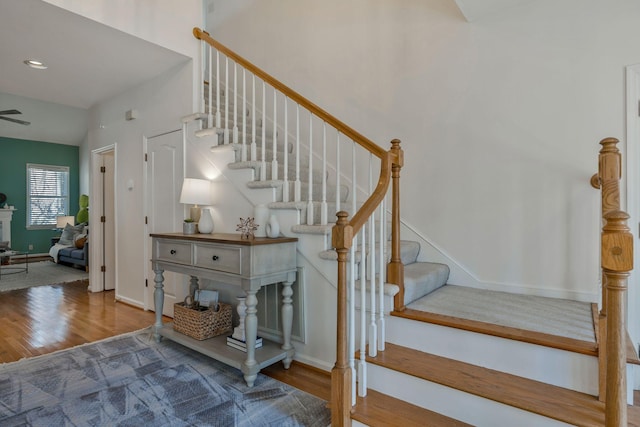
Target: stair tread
<point x="548" y="400"/>
<point x="532" y="337"/>
<point x="378" y="409"/>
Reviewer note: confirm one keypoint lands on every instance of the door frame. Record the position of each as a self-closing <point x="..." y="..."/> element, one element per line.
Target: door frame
<point x="96" y="250"/>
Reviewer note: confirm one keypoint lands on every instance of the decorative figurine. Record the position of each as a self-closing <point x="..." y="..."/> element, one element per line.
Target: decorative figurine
<point x="247" y="227"/>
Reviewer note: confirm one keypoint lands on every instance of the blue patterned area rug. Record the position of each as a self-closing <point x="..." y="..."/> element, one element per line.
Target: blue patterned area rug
<point x="131" y="380"/>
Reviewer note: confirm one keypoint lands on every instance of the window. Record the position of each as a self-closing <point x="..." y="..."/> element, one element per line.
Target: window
<point x="47" y="195"/>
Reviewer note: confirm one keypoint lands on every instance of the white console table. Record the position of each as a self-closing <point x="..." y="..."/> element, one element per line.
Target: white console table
<point x="249" y="264"/>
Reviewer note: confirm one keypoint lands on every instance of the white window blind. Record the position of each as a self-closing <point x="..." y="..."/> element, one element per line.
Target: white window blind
<point x="47" y="194"/>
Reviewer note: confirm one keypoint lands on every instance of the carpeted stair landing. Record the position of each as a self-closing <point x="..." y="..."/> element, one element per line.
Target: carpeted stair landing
<point x="559" y="317"/>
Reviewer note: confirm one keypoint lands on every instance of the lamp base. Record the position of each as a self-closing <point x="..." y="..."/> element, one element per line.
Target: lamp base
<point x="194" y="213"/>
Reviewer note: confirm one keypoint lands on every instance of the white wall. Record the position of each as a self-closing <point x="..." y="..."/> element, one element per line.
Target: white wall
<point x="160" y="104"/>
<point x="500" y="119"/>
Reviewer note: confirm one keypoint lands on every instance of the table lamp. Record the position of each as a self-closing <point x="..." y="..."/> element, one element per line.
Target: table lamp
<point x="195" y="192"/>
<point x="62" y="221"/>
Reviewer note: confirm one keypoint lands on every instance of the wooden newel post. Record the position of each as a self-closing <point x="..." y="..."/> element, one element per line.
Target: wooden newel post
<point x="608" y="181"/>
<point x="395" y="269"/>
<point x="617" y="262"/>
<point x="341" y="240"/>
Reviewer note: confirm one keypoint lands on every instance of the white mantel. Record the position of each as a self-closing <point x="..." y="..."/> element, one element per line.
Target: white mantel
<point x="5" y="225"/>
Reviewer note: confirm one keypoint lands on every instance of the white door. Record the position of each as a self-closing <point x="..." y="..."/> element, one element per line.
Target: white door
<point x="165" y="173"/>
<point x="108" y="225"/>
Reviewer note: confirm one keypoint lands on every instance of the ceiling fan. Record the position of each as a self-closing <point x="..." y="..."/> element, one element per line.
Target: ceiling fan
<point x="7" y="112"/>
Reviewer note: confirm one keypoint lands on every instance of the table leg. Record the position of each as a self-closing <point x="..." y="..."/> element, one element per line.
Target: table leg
<point x="158" y="299"/>
<point x="250" y="366"/>
<point x="287" y="322"/>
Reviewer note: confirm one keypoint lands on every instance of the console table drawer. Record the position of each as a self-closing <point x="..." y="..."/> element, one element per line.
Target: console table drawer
<point x="221" y="258"/>
<point x="173" y="251"/>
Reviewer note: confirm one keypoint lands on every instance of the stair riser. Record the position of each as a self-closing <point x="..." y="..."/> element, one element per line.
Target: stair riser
<point x="291" y="172"/>
<point x="304" y="195"/>
<point x="453" y="403"/>
<point x="559" y="367"/>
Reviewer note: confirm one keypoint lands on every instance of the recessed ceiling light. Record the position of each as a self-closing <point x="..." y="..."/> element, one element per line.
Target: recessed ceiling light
<point x="35" y="64"/>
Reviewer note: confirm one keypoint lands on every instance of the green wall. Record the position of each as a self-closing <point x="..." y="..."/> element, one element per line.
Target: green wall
<point x="14" y="156"/>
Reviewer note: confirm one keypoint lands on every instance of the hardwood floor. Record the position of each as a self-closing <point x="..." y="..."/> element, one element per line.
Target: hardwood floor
<point x="44" y="319"/>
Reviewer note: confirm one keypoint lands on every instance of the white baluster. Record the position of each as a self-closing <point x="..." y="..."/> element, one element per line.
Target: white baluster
<point x="203" y="61"/>
<point x="310" y="188"/>
<point x="381" y="277"/>
<point x="352" y="290"/>
<point x="226" y="101"/>
<point x="285" y="185"/>
<point x="373" y="333"/>
<point x="254" y="147"/>
<point x="338" y="173"/>
<point x="218" y="114"/>
<point x="274" y="161"/>
<point x="353" y="178"/>
<point x="263" y="165"/>
<point x="297" y="186"/>
<point x="323" y="204"/>
<point x="362" y="363"/>
<point x="243" y="154"/>
<point x="235" y="103"/>
<point x="210" y="91"/>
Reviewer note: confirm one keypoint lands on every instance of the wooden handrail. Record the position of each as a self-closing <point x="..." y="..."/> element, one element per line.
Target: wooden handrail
<point x="360" y="139"/>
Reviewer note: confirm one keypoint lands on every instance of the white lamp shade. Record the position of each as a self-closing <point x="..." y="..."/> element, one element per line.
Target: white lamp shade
<point x="62" y="221"/>
<point x="196" y="191"/>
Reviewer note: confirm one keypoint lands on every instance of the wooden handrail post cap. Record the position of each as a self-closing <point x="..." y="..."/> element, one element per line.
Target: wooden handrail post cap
<point x="617" y="242"/>
<point x="342" y="234"/>
<point x="610" y="160"/>
<point x="395" y="148"/>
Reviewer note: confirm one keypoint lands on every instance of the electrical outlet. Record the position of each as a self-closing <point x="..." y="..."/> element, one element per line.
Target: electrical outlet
<point x="30" y="247"/>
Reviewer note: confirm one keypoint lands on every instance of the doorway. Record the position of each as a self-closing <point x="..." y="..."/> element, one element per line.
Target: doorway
<point x="102" y="220"/>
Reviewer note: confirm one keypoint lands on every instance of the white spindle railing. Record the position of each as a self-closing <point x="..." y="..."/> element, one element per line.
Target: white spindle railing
<point x="285" y="178"/>
<point x="367" y="255"/>
<point x="297" y="189"/>
<point x="274" y="161"/>
<point x="243" y="156"/>
<point x="263" y="143"/>
<point x="235" y="104"/>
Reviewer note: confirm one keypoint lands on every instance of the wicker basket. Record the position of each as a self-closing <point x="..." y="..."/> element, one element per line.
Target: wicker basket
<point x="199" y="322"/>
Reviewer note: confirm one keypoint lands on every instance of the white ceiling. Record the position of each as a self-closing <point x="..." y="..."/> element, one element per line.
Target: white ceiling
<point x="88" y="62"/>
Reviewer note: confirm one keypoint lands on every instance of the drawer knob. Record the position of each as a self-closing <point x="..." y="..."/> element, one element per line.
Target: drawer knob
<point x="173" y="251"/>
<point x="215" y="257"/>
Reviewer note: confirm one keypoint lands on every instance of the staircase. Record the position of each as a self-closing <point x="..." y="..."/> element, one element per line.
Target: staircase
<point x="445" y="371"/>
